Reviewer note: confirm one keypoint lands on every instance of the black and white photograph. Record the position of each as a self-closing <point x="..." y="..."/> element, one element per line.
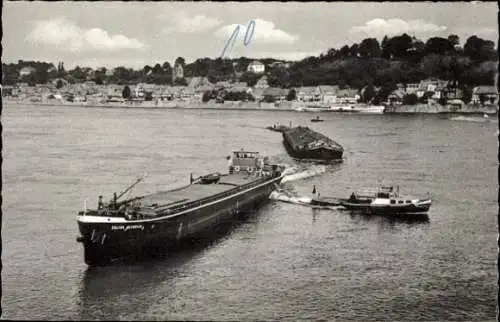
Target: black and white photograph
<point x="250" y="161"/>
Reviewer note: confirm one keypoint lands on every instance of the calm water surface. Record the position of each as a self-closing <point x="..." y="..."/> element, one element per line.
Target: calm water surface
<point x="284" y="262"/>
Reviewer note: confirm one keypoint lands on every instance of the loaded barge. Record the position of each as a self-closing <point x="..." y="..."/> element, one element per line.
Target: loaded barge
<point x="305" y="144"/>
<point x="120" y="229"/>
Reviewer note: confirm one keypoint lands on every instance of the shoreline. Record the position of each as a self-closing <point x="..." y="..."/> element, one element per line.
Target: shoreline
<point x="252" y="106"/>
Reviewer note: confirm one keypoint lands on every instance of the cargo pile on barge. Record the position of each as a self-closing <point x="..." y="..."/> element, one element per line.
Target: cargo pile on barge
<point x="120" y="229"/>
<point x="306" y="144"/>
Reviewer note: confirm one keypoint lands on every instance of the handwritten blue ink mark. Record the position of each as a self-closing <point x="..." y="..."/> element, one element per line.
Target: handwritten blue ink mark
<point x="246" y="40"/>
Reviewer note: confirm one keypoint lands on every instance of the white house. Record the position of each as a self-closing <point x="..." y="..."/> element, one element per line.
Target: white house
<point x="256" y="67"/>
<point x="308" y="94"/>
<point x="26" y="71"/>
<point x="484" y="95"/>
<point x="328" y="93"/>
<point x="262" y="82"/>
<point x="348" y="95"/>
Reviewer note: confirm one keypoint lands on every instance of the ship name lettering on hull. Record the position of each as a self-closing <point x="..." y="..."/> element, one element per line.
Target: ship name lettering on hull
<point x="125" y="228"/>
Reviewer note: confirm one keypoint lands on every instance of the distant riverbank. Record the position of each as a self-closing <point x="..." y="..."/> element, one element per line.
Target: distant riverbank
<point x="285" y="106"/>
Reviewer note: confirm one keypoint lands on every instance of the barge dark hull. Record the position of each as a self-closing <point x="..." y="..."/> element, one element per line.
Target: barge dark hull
<point x="306" y="144"/>
<point x="319" y="154"/>
<point x="106" y="242"/>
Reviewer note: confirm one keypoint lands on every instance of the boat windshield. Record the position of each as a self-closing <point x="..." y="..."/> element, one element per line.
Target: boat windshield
<point x="245" y="155"/>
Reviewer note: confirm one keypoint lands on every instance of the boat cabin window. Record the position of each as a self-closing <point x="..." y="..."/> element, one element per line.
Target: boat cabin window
<point x="408" y="201"/>
<point x="400" y="201"/>
<point x="384" y="195"/>
<point x="393" y="201"/>
<point x="244" y="155"/>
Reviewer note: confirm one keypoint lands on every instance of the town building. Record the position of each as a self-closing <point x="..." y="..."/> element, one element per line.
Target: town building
<point x="262" y="82"/>
<point x="239" y="87"/>
<point x="256" y="67"/>
<point x="279" y="64"/>
<point x="177" y="72"/>
<point x="25" y="71"/>
<point x="328" y="93"/>
<point x="484" y="95"/>
<point x="430" y="85"/>
<point x="348" y="96"/>
<point x="258" y="93"/>
<point x="308" y="94"/>
<point x="451" y="92"/>
<point x="412" y="88"/>
<point x="277" y="94"/>
<point x="396" y="97"/>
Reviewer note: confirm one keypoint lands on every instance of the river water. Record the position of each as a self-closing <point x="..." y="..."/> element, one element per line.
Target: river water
<point x="284" y="262"/>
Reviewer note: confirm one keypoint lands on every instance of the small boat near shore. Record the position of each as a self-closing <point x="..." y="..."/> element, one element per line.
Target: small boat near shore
<point x="278" y="128"/>
<point x="317" y="119"/>
<point x="387" y="201"/>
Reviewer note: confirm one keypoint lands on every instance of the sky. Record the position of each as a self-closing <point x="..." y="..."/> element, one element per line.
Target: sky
<point x="135" y="34"/>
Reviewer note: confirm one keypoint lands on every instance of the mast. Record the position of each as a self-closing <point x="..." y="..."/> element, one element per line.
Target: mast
<point x="130" y="187"/>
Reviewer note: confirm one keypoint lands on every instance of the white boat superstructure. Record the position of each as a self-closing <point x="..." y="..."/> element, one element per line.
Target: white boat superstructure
<point x="342" y="108"/>
<point x="387" y="200"/>
<point x="370" y="109"/>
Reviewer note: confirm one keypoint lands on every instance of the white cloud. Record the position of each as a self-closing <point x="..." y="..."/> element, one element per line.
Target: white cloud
<point x="264" y="32"/>
<point x="182" y="22"/>
<point x="286" y="55"/>
<point x="381" y="27"/>
<point x="66" y="35"/>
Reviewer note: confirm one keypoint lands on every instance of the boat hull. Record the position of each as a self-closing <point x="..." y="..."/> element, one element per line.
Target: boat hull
<point x="106" y="242"/>
<point x="326" y="202"/>
<point x="406" y="209"/>
<point x="320" y="154"/>
<point x="369" y="109"/>
<point x="279" y="129"/>
<point x="304" y="143"/>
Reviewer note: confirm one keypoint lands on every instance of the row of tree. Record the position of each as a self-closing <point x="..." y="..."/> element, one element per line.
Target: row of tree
<point x="400" y="59"/>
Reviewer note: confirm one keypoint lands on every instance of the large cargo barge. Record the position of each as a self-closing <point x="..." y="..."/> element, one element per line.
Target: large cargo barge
<point x="306" y="144"/>
<point x="120" y="229"/>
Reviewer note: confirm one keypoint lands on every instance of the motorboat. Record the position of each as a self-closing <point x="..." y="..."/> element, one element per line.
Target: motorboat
<point x="387" y="200"/>
<point x="317" y="119"/>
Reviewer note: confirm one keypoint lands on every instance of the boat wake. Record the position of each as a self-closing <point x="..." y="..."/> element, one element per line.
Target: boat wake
<point x="295" y="173"/>
<point x="288" y="197"/>
<point x="476" y="119"/>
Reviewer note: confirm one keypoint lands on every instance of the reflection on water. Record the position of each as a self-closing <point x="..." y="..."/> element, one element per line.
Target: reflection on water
<point x="389" y="220"/>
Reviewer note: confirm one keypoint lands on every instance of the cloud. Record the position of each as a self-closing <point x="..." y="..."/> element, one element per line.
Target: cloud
<point x="264" y="32"/>
<point x="381" y="27"/>
<point x="66" y="35"/>
<point x="286" y="55"/>
<point x="182" y="22"/>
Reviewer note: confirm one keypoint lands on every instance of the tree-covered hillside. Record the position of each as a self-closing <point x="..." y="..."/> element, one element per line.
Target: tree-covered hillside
<point x="400" y="59"/>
